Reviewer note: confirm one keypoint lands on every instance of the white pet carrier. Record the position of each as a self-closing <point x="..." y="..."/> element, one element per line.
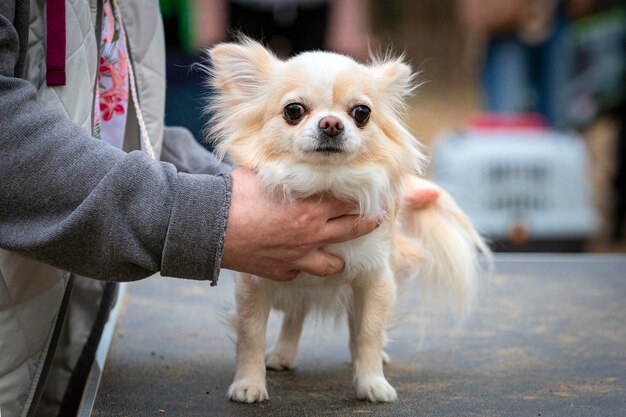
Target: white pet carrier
<point x="518" y="184"/>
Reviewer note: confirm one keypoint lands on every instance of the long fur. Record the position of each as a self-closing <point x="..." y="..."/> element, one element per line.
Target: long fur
<point x="437" y="244"/>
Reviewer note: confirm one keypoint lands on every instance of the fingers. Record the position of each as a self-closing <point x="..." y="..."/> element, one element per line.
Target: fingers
<point x="416" y="199"/>
<point x="334" y="207"/>
<point x="318" y="262"/>
<point x="420" y="193"/>
<point x="347" y="227"/>
<point x="284" y="276"/>
<point x="321" y="263"/>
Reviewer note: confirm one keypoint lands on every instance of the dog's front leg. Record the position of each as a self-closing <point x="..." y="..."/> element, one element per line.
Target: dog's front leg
<point x="253" y="307"/>
<point x="353" y="334"/>
<point x="373" y="298"/>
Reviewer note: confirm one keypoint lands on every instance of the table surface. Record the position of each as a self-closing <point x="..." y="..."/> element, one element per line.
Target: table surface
<point x="547" y="339"/>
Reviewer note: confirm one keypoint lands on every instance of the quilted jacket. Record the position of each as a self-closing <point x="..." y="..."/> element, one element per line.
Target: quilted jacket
<point x="35" y="303"/>
<point x="33" y="295"/>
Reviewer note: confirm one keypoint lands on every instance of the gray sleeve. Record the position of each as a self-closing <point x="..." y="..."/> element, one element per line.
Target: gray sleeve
<point x="181" y="149"/>
<point x="76" y="203"/>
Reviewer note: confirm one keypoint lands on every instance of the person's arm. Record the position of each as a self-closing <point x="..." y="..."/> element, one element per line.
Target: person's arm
<point x="181" y="149"/>
<point x="76" y="203"/>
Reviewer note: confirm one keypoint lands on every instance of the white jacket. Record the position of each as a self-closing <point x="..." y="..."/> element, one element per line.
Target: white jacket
<point x="31" y="292"/>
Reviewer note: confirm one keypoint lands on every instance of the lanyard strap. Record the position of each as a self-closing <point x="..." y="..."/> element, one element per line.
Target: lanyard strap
<point x="55" y="60"/>
<point x="55" y="42"/>
<point x="143" y="131"/>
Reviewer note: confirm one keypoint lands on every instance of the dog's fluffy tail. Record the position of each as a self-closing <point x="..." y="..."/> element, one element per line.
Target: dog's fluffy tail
<point x="443" y="246"/>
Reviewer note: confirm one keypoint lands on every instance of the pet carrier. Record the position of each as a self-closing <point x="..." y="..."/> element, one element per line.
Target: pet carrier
<point x="524" y="186"/>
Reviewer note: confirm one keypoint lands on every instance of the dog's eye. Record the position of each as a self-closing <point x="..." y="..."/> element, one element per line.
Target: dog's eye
<point x="293" y="112"/>
<point x="361" y="114"/>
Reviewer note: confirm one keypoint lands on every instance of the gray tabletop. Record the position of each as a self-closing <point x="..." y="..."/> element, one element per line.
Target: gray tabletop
<point x="548" y="339"/>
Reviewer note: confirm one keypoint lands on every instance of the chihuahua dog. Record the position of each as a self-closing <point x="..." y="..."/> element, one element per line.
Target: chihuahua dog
<point x="321" y="123"/>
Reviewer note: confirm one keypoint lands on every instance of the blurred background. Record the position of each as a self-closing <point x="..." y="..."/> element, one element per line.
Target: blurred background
<point x="522" y="106"/>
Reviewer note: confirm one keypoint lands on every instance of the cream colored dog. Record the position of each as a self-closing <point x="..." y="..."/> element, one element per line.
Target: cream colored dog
<point x="323" y="123"/>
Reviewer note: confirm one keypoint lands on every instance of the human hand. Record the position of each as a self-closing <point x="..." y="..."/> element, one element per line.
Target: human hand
<point x="278" y="239"/>
<point x="419" y="194"/>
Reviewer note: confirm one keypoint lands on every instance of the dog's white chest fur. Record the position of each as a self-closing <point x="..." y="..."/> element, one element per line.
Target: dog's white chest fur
<point x="364" y="257"/>
<point x="366" y="254"/>
<point x="368" y="186"/>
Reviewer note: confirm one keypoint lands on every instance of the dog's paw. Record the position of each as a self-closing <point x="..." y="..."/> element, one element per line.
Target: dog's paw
<point x="248" y="391"/>
<point x="375" y="389"/>
<point x="386" y="358"/>
<point x="280" y="361"/>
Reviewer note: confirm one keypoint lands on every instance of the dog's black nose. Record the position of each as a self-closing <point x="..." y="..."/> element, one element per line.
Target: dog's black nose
<point x="330" y="125"/>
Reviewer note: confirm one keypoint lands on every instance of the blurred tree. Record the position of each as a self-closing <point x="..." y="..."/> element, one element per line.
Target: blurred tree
<point x="178" y="24"/>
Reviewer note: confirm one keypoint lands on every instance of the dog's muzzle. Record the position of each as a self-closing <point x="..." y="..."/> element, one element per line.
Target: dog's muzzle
<point x="330" y="135"/>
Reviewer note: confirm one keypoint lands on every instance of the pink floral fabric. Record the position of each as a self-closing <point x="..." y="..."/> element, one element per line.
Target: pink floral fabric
<point x="111" y="109"/>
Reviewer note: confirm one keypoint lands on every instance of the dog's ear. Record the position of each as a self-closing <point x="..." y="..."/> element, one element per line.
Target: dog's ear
<point x="395" y="81"/>
<point x="241" y="70"/>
